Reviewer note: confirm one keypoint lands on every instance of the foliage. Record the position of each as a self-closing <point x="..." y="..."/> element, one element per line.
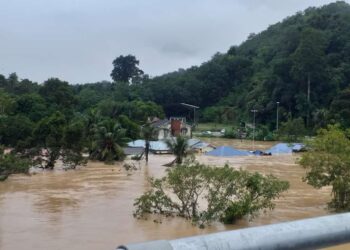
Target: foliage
<point x="135" y="110"/>
<point x="14" y="129"/>
<point x="310" y="48"/>
<point x="125" y="69"/>
<point x="231" y="133"/>
<point x="228" y="194"/>
<point x="33" y="106"/>
<point x="274" y="65"/>
<point x="292" y="130"/>
<point x="7" y="103"/>
<point x="132" y="129"/>
<point x="109" y="140"/>
<point x="54" y="138"/>
<point x="179" y="147"/>
<point x="12" y="164"/>
<point x="58" y="93"/>
<point x="328" y="164"/>
<point x="341" y="107"/>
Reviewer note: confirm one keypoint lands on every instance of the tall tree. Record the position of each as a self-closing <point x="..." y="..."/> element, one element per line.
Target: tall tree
<point x="309" y="61"/>
<point x="7" y="103"/>
<point x="340" y="107"/>
<point x="58" y="94"/>
<point x="125" y="69"/>
<point x="109" y="140"/>
<point x="328" y="164"/>
<point x="54" y="139"/>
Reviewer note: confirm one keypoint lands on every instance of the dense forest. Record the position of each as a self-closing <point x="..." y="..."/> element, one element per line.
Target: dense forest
<point x="301" y="63"/>
<point x="311" y="48"/>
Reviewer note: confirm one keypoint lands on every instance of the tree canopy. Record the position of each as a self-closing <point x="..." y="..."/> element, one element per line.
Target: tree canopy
<point x="328" y="164"/>
<point x="228" y="194"/>
<point x="125" y="69"/>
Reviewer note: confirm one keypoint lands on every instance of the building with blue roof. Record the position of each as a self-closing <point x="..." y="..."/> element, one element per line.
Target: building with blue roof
<point x="226" y="151"/>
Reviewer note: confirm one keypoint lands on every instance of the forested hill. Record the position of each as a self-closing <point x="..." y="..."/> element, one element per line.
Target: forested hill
<point x="274" y="65"/>
<point x="311" y="48"/>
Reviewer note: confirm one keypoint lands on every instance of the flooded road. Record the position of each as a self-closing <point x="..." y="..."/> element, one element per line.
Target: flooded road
<point x="91" y="208"/>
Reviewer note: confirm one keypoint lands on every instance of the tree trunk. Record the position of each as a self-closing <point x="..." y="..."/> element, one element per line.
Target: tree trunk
<point x="147" y="150"/>
<point x="308" y="99"/>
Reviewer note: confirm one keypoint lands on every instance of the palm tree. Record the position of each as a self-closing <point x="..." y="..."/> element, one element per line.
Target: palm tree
<point x="148" y="132"/>
<point x="108" y="143"/>
<point x="93" y="120"/>
<point x="179" y="147"/>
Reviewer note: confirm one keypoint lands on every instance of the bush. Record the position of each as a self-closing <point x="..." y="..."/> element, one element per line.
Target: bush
<point x="12" y="164"/>
<point x="229" y="194"/>
<point x="327" y="162"/>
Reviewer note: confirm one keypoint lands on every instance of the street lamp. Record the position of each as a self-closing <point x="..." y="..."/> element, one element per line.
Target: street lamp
<point x="254" y="112"/>
<point x="278" y="103"/>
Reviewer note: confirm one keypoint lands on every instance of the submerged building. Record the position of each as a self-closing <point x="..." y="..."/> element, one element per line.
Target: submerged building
<point x="172" y="127"/>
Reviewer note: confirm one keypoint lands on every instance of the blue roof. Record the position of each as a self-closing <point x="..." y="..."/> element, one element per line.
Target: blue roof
<point x="225" y="151"/>
<point x="285" y="148"/>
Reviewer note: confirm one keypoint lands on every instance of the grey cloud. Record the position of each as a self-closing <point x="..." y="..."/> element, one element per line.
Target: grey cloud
<point x="77" y="40"/>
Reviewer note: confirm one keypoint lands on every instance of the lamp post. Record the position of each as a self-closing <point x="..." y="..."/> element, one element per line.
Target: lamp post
<point x="254" y="112"/>
<point x="278" y="103"/>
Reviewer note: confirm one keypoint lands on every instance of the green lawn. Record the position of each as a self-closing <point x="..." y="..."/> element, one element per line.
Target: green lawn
<point x="212" y="126"/>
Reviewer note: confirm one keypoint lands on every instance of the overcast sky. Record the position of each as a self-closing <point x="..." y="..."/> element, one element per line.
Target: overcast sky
<point x="77" y="40"/>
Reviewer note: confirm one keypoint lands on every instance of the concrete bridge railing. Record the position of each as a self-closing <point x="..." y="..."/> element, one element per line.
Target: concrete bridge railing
<point x="302" y="234"/>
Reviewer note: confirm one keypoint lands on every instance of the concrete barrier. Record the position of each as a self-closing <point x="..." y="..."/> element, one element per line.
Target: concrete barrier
<point x="302" y="234"/>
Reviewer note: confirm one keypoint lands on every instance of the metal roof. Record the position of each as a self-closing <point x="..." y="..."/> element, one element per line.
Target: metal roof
<point x="133" y="150"/>
<point x="285" y="148"/>
<point x="225" y="151"/>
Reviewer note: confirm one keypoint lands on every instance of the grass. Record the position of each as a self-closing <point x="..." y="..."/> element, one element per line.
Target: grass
<point x="212" y="126"/>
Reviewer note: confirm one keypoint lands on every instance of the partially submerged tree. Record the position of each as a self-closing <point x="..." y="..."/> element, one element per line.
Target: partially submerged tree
<point x="109" y="141"/>
<point x="148" y="132"/>
<point x="179" y="147"/>
<point x="228" y="194"/>
<point x="292" y="130"/>
<point x="53" y="139"/>
<point x="12" y="164"/>
<point x="328" y="164"/>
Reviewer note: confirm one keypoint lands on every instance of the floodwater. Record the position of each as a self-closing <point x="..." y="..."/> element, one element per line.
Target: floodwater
<point x="91" y="207"/>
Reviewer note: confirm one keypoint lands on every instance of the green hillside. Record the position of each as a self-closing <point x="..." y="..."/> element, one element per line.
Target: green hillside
<point x="275" y="65"/>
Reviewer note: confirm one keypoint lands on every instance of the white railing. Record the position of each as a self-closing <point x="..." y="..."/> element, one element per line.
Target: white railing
<point x="302" y="234"/>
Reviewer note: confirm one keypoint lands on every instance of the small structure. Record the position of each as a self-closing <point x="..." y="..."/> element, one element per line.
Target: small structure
<point x="199" y="146"/>
<point x="157" y="147"/>
<point x="286" y="148"/>
<point x="160" y="147"/>
<point x="174" y="126"/>
<point x="225" y="151"/>
<point x="134" y="151"/>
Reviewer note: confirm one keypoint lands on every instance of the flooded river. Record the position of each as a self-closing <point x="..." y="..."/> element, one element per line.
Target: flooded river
<point x="91" y="208"/>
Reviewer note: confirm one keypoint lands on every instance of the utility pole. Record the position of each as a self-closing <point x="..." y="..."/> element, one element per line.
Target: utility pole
<point x="194" y="114"/>
<point x="278" y="103"/>
<point x="254" y="112"/>
<point x="308" y="99"/>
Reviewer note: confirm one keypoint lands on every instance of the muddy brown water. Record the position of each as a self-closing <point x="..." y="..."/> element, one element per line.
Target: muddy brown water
<point x="91" y="208"/>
